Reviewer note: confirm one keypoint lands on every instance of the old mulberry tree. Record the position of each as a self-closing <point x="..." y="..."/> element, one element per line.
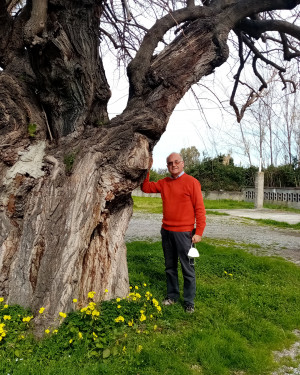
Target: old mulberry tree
<point x="67" y="170"/>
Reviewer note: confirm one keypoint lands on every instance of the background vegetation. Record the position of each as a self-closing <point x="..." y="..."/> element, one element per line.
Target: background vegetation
<point x="220" y="173"/>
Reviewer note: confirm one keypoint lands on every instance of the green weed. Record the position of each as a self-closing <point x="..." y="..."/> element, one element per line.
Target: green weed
<point x="278" y="224"/>
<point x="32" y="130"/>
<point x="69" y="160"/>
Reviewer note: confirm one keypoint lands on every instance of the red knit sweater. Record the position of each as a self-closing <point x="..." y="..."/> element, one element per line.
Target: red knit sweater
<point x="182" y="203"/>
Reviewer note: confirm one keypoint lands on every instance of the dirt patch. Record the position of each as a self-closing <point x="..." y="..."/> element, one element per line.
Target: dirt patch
<point x="264" y="240"/>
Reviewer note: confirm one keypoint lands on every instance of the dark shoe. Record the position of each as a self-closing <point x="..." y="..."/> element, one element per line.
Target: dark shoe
<point x="168" y="301"/>
<point x="189" y="309"/>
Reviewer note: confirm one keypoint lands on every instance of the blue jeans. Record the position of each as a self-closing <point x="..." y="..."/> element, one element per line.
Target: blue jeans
<point x="176" y="245"/>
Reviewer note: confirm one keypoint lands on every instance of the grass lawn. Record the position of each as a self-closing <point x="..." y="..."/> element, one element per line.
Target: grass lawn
<point x="246" y="307"/>
<point x="154" y="205"/>
<point x="278" y="224"/>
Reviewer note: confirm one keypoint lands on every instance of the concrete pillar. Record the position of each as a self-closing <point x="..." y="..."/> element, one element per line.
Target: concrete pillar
<point x="259" y="190"/>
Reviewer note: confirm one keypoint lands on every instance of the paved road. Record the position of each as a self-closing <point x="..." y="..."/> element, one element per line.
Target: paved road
<point x="287" y="217"/>
<point x="236" y="227"/>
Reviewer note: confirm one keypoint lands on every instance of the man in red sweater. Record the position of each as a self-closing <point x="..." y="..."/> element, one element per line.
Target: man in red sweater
<point x="182" y="206"/>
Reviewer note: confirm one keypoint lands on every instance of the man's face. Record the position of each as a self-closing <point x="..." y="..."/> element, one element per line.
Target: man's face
<point x="175" y="165"/>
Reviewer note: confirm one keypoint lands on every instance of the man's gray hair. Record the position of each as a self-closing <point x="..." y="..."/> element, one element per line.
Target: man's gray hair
<point x="177" y="153"/>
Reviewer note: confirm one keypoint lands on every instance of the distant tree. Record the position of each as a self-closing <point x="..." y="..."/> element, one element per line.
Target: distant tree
<point x="157" y="175"/>
<point x="190" y="156"/>
<point x="213" y="174"/>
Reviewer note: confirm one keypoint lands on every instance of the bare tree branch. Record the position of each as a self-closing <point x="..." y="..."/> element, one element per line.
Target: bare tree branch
<point x="190" y="3"/>
<point x="127" y="10"/>
<point x="237" y="77"/>
<point x="266" y="37"/>
<point x="255" y="28"/>
<point x="286" y="50"/>
<point x="285" y="81"/>
<point x="11" y="5"/>
<point x="257" y="53"/>
<point x="110" y="37"/>
<point x="156" y="34"/>
<point x="258" y="75"/>
<point x="37" y="21"/>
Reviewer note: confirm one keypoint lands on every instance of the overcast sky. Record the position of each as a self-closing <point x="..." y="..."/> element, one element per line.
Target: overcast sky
<point x="187" y="126"/>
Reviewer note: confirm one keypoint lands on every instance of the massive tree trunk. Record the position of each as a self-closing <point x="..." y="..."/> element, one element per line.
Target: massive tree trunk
<point x="67" y="171"/>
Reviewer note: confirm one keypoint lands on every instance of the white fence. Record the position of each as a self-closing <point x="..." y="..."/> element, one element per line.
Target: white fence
<point x="284" y="196"/>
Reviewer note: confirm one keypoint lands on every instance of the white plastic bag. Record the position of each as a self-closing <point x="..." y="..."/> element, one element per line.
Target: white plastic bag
<point x="193" y="253"/>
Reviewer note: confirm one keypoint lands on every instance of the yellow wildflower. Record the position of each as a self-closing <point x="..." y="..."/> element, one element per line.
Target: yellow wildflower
<point x="91" y="294"/>
<point x="143" y="317"/>
<point x="94" y="335"/>
<point x="158" y="308"/>
<point x="91" y="305"/>
<point x="70" y="341"/>
<point x="124" y="349"/>
<point x="106" y="291"/>
<point x="145" y="284"/>
<point x="83" y="309"/>
<point x="27" y="319"/>
<point x="80" y="335"/>
<point x="2" y="331"/>
<point x="139" y="348"/>
<point x="75" y="300"/>
<point x="119" y="319"/>
<point x="136" y="287"/>
<point x="95" y="313"/>
<point x="41" y="310"/>
<point x="130" y="323"/>
<point x="47" y="331"/>
<point x="62" y="314"/>
<point x="118" y="299"/>
<point x="55" y="331"/>
<point x="5" y="306"/>
<point x="6" y="317"/>
<point x="155" y="327"/>
<point x="1" y="299"/>
<point x="119" y="306"/>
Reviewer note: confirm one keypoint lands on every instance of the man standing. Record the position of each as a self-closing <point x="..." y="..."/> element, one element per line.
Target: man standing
<point x="182" y="206"/>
